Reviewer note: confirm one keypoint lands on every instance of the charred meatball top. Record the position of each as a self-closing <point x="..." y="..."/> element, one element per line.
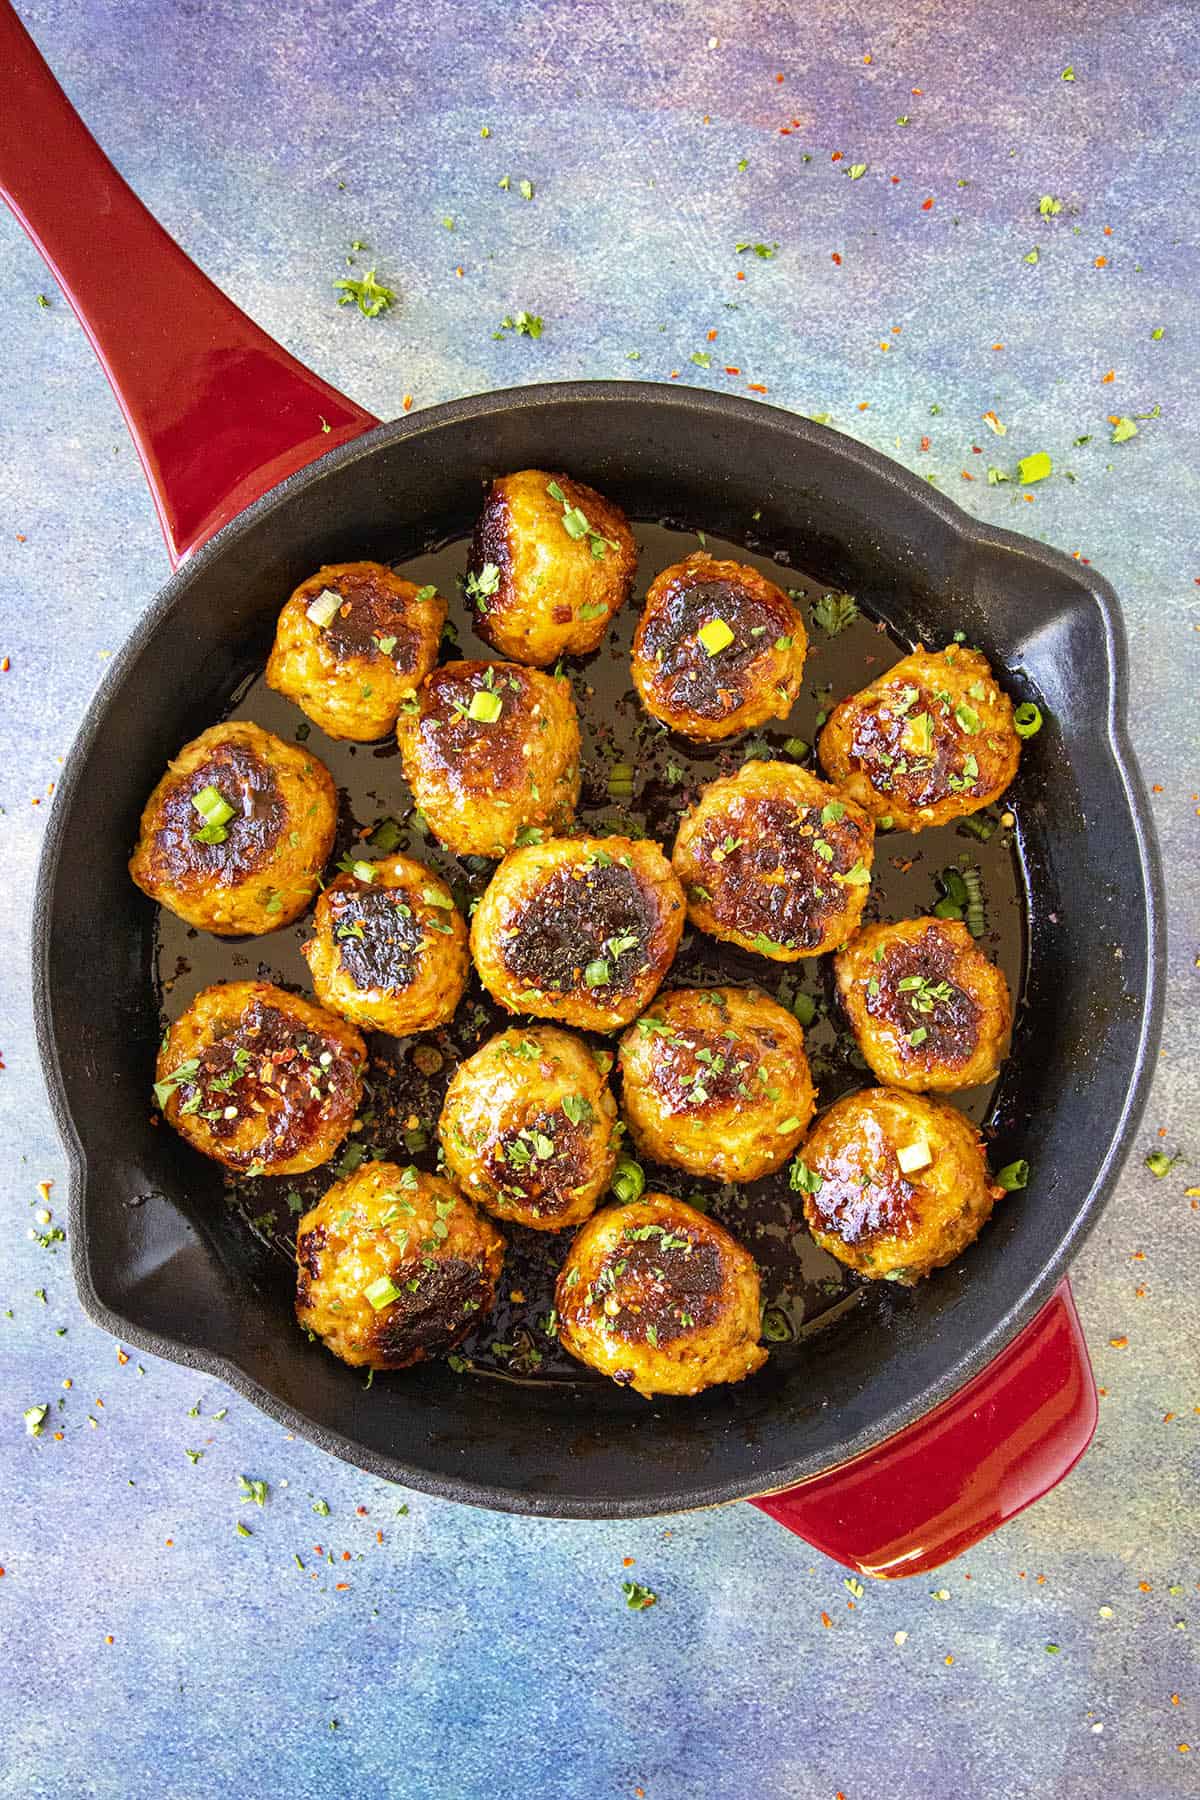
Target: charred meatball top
<point x="718" y="648"/>
<point x="927" y="743"/>
<point x="235" y="835"/>
<point x="551" y="562"/>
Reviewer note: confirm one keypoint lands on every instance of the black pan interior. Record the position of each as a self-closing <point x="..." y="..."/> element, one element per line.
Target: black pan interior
<point x="174" y="1259"/>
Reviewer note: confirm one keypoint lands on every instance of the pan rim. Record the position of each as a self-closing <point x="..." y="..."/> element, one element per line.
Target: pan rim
<point x="968" y="531"/>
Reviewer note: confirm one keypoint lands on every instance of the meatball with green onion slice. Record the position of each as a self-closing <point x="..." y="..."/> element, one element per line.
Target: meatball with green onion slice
<point x="774" y="860"/>
<point x="581" y="930"/>
<point x="389" y="947"/>
<point x="235" y="836"/>
<point x="929" y="742"/>
<point x="927" y="1007"/>
<point x="895" y="1185"/>
<point x="491" y="753"/>
<point x="529" y="1127"/>
<point x="718" y="648"/>
<point x="260" y="1079"/>
<point x="660" y="1298"/>
<point x="393" y="1266"/>
<point x="715" y="1081"/>
<point x="351" y="643"/>
<point x="552" y="562"/>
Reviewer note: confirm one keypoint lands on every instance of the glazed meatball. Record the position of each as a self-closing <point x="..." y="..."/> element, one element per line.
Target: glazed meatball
<point x="551" y="562"/>
<point x="390" y="950"/>
<point x="774" y="860"/>
<point x="927" y="1007"/>
<point x="929" y="742"/>
<point x="894" y="1184"/>
<point x="660" y="1298"/>
<point x="259" y="1079"/>
<point x="234" y="837"/>
<point x="715" y="1081"/>
<point x="718" y="648"/>
<point x="579" y="929"/>
<point x="351" y="642"/>
<point x="491" y="753"/>
<point x="393" y="1266"/>
<point x="529" y="1128"/>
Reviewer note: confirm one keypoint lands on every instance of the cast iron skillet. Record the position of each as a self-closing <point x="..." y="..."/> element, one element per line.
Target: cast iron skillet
<point x="220" y="414"/>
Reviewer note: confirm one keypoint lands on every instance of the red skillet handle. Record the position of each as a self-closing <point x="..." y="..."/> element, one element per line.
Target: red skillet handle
<point x="932" y="1491"/>
<point x="218" y="411"/>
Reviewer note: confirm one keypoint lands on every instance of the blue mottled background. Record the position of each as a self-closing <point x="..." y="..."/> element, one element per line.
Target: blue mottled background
<point x="148" y="1650"/>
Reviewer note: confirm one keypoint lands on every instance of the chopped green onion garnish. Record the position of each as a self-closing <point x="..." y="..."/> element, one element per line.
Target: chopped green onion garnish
<point x="796" y="748"/>
<point x="629" y="1180"/>
<point x="211" y="806"/>
<point x="597" y="973"/>
<point x="1013" y="1176"/>
<point x="363" y="871"/>
<point x="1034" y="468"/>
<point x="1027" y="720"/>
<point x="322" y="609"/>
<point x="381" y="1293"/>
<point x="485" y="707"/>
<point x="715" y="635"/>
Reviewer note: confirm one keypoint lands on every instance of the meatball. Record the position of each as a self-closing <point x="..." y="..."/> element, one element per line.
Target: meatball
<point x="393" y="1266"/>
<point x="894" y="1184"/>
<point x="491" y="753"/>
<point x="551" y="562"/>
<point x="930" y="741"/>
<point x="660" y="1298"/>
<point x="260" y="1079"/>
<point x="927" y="1007"/>
<point x="529" y="1128"/>
<point x="390" y="950"/>
<point x="234" y="837"/>
<point x="715" y="1081"/>
<point x="579" y="929"/>
<point x="774" y="860"/>
<point x="718" y="648"/>
<point x="351" y="642"/>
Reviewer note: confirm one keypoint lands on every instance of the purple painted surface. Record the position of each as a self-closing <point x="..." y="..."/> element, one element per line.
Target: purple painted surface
<point x="476" y="1655"/>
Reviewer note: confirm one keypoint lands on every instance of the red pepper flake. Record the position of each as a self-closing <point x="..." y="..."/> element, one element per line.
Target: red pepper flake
<point x="627" y="1562"/>
<point x="44" y="1190"/>
<point x="1167" y="1417"/>
<point x="110" y="1639"/>
<point x="1108" y="231"/>
<point x="170" y="1543"/>
<point x="741" y="275"/>
<point x="407" y="403"/>
<point x="731" y="370"/>
<point x="925" y="443"/>
<point x="1" y="1571"/>
<point x="863" y="405"/>
<point x="345" y="1556"/>
<point x="927" y="205"/>
<point x="5" y="665"/>
<point x="674" y="374"/>
<point x="1144" y="1587"/>
<point x="837" y="156"/>
<point x="895" y="181"/>
<point x="1157" y="788"/>
<point x="341" y="1586"/>
<point x="711" y="336"/>
<point x="826" y="1620"/>
<point x="21" y="538"/>
<point x="784" y="131"/>
<point x="835" y="258"/>
<point x="361" y="1511"/>
<point x="1102" y="262"/>
<point x="1111" y="376"/>
<point x="917" y="91"/>
<point x="379" y="1537"/>
<point x="1139" y="1293"/>
<point x="756" y="387"/>
<point x="1119" y="1343"/>
<point x="966" y="476"/>
<point x="317" y="1550"/>
<point x="779" y="78"/>
<point x="997" y="346"/>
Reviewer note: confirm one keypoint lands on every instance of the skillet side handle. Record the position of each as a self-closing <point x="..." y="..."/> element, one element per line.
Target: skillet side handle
<point x="991" y="1450"/>
<point x="218" y="412"/>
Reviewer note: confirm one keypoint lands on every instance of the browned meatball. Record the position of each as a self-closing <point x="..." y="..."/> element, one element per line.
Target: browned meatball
<point x="775" y="860"/>
<point x="529" y="1128"/>
<point x="389" y="948"/>
<point x="660" y="1298"/>
<point x="491" y="753"/>
<point x="551" y="562"/>
<point x="260" y="1079"/>
<point x="718" y="648"/>
<point x="929" y="742"/>
<point x="894" y="1185"/>
<point x="351" y="642"/>
<point x="579" y="929"/>
<point x="716" y="1081"/>
<point x="393" y="1266"/>
<point x="234" y="837"/>
<point x="927" y="1007"/>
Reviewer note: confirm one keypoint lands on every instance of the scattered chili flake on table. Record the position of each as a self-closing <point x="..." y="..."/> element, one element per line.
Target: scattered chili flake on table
<point x="826" y="1620"/>
<point x="927" y="205"/>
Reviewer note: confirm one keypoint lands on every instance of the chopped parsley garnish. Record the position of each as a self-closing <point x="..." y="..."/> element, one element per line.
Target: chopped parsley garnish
<point x="525" y="324"/>
<point x="370" y="296"/>
<point x="763" y="251"/>
<point x="1158" y="1163"/>
<point x="253" y="1490"/>
<point x="638" y="1597"/>
<point x="478" y="587"/>
<point x="1013" y="1176"/>
<point x="577" y="1109"/>
<point x="802" y="1179"/>
<point x="833" y="612"/>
